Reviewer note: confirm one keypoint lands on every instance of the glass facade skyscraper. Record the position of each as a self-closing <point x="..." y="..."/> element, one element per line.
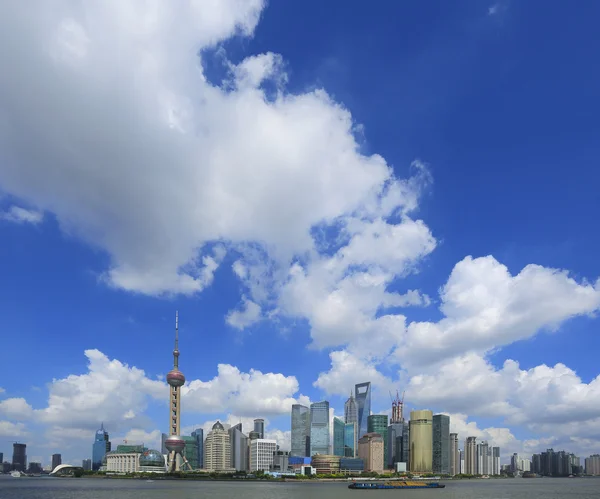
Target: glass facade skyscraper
<point x="300" y="445"/>
<point x="319" y="428"/>
<point x="198" y="434"/>
<point x="350" y="433"/>
<point x="441" y="444"/>
<point x="100" y="448"/>
<point x="378" y="423"/>
<point x="350" y="410"/>
<point x="338" y="437"/>
<point x="362" y="394"/>
<point x="259" y="427"/>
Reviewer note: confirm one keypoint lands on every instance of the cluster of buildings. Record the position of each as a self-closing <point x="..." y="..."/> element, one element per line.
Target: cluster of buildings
<point x="554" y="463"/>
<point x="19" y="462"/>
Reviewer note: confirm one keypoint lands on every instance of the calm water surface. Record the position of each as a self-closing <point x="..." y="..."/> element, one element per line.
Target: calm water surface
<point x="90" y="488"/>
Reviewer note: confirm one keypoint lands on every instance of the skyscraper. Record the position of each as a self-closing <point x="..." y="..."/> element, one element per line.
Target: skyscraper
<point x="239" y="448"/>
<point x="495" y="461"/>
<point x="338" y="437"/>
<point x="100" y="448"/>
<point x="175" y="378"/>
<point x="454" y="454"/>
<point x="350" y="410"/>
<point x="86" y="464"/>
<point x="378" y="423"/>
<point x="421" y="441"/>
<point x="441" y="444"/>
<point x="319" y="428"/>
<point x="259" y="427"/>
<point x="56" y="460"/>
<point x="471" y="456"/>
<point x="350" y="439"/>
<point x="482" y="458"/>
<point x="362" y="393"/>
<point x="300" y="445"/>
<point x="351" y="418"/>
<point x="19" y="459"/>
<point x="198" y="434"/>
<point x="217" y="449"/>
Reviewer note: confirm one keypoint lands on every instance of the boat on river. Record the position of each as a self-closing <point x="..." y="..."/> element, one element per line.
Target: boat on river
<point x="396" y="484"/>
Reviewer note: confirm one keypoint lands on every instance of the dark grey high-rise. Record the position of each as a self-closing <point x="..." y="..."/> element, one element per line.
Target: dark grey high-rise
<point x="300" y="445"/>
<point x="19" y="460"/>
<point x="441" y="444"/>
<point x="56" y="460"/>
<point x="239" y="448"/>
<point x="198" y="434"/>
<point x="259" y="427"/>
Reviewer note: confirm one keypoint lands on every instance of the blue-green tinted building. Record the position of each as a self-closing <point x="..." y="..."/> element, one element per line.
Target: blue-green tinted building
<point x="319" y="428"/>
<point x="350" y="439"/>
<point x="198" y="435"/>
<point x="362" y="395"/>
<point x="338" y="437"/>
<point x="100" y="448"/>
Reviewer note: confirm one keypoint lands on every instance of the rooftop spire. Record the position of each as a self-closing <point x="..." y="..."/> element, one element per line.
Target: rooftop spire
<point x="176" y="351"/>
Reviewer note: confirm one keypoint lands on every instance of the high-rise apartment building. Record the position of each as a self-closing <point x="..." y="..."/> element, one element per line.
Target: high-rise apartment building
<point x="338" y="437"/>
<point x="471" y="456"/>
<point x="217" y="449"/>
<point x="300" y="445"/>
<point x="239" y="448"/>
<point x="421" y="441"/>
<point x="56" y="460"/>
<point x="370" y="450"/>
<point x="19" y="458"/>
<point x="319" y="428"/>
<point x="198" y="434"/>
<point x="461" y="453"/>
<point x="259" y="427"/>
<point x="441" y="444"/>
<point x="495" y="461"/>
<point x="592" y="465"/>
<point x="454" y="455"/>
<point x="378" y="423"/>
<point x="483" y="459"/>
<point x="100" y="448"/>
<point x="261" y="454"/>
<point x="362" y="394"/>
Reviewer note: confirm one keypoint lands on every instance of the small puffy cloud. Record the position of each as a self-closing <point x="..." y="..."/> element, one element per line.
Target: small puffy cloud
<point x="9" y="429"/>
<point x="19" y="215"/>
<point x="16" y="409"/>
<point x="249" y="314"/>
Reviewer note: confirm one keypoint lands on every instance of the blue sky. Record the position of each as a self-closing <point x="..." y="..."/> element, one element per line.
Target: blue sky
<point x="403" y="192"/>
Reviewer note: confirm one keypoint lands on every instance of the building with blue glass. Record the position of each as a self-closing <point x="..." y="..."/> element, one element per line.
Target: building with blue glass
<point x="350" y="439"/>
<point x="338" y="437"/>
<point x="300" y="445"/>
<point x="319" y="428"/>
<point x="198" y="434"/>
<point x="362" y="396"/>
<point x="352" y="464"/>
<point x="100" y="448"/>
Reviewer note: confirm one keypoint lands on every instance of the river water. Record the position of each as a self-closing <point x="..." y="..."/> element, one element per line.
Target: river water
<point x="94" y="488"/>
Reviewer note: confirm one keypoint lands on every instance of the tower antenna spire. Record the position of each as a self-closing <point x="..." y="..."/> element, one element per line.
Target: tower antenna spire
<point x="176" y="350"/>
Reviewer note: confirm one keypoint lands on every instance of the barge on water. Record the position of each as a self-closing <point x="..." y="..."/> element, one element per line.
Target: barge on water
<point x="396" y="484"/>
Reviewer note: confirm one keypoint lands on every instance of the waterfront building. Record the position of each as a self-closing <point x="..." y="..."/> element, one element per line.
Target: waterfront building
<point x="6" y="467"/>
<point x="326" y="464"/>
<point x="261" y="454"/>
<point x="239" y="448"/>
<point x="190" y="452"/>
<point x="592" y="465"/>
<point x="350" y="439"/>
<point x="86" y="464"/>
<point x="319" y="428"/>
<point x="454" y="455"/>
<point x="362" y="394"/>
<point x="421" y="441"/>
<point x="19" y="457"/>
<point x="198" y="434"/>
<point x="338" y="436"/>
<point x="100" y="447"/>
<point x="134" y="459"/>
<point x="441" y="444"/>
<point x="217" y="449"/>
<point x="471" y="456"/>
<point x="281" y="462"/>
<point x="378" y="423"/>
<point x="259" y="427"/>
<point x="351" y="464"/>
<point x="1" y="457"/>
<point x="152" y="461"/>
<point x="35" y="468"/>
<point x="482" y="458"/>
<point x="56" y="460"/>
<point x="495" y="461"/>
<point x="370" y="450"/>
<point x="174" y="444"/>
<point x="300" y="444"/>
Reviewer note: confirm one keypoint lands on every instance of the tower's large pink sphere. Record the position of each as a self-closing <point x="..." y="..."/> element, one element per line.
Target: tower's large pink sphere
<point x="175" y="378"/>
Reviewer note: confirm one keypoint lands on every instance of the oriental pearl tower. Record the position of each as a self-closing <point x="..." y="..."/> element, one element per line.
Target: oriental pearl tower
<point x="175" y="378"/>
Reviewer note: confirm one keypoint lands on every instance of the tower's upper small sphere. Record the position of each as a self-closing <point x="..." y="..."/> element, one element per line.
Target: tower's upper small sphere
<point x="175" y="443"/>
<point x="175" y="378"/>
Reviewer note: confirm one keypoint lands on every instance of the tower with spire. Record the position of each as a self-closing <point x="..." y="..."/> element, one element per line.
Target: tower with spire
<point x="175" y="378"/>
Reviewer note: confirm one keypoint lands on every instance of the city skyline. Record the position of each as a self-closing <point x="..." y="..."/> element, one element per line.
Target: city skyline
<point x="326" y="196"/>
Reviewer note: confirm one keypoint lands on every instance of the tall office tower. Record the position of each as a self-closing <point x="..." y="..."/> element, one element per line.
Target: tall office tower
<point x="350" y="439"/>
<point x="421" y="441"/>
<point x="86" y="464"/>
<point x="198" y="434"/>
<point x="350" y="410"/>
<point x="362" y="394"/>
<point x="100" y="448"/>
<point x="19" y="458"/>
<point x="514" y="463"/>
<point x="454" y="455"/>
<point x="261" y="454"/>
<point x="56" y="460"/>
<point x="370" y="450"/>
<point x="239" y="448"/>
<point x="470" y="456"/>
<point x="536" y="463"/>
<point x="319" y="428"/>
<point x="338" y="437"/>
<point x="175" y="378"/>
<point x="441" y="444"/>
<point x="378" y="423"/>
<point x="394" y="444"/>
<point x="259" y="427"/>
<point x="217" y="449"/>
<point x="482" y="458"/>
<point x="300" y="445"/>
<point x="496" y="460"/>
<point x="397" y="409"/>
